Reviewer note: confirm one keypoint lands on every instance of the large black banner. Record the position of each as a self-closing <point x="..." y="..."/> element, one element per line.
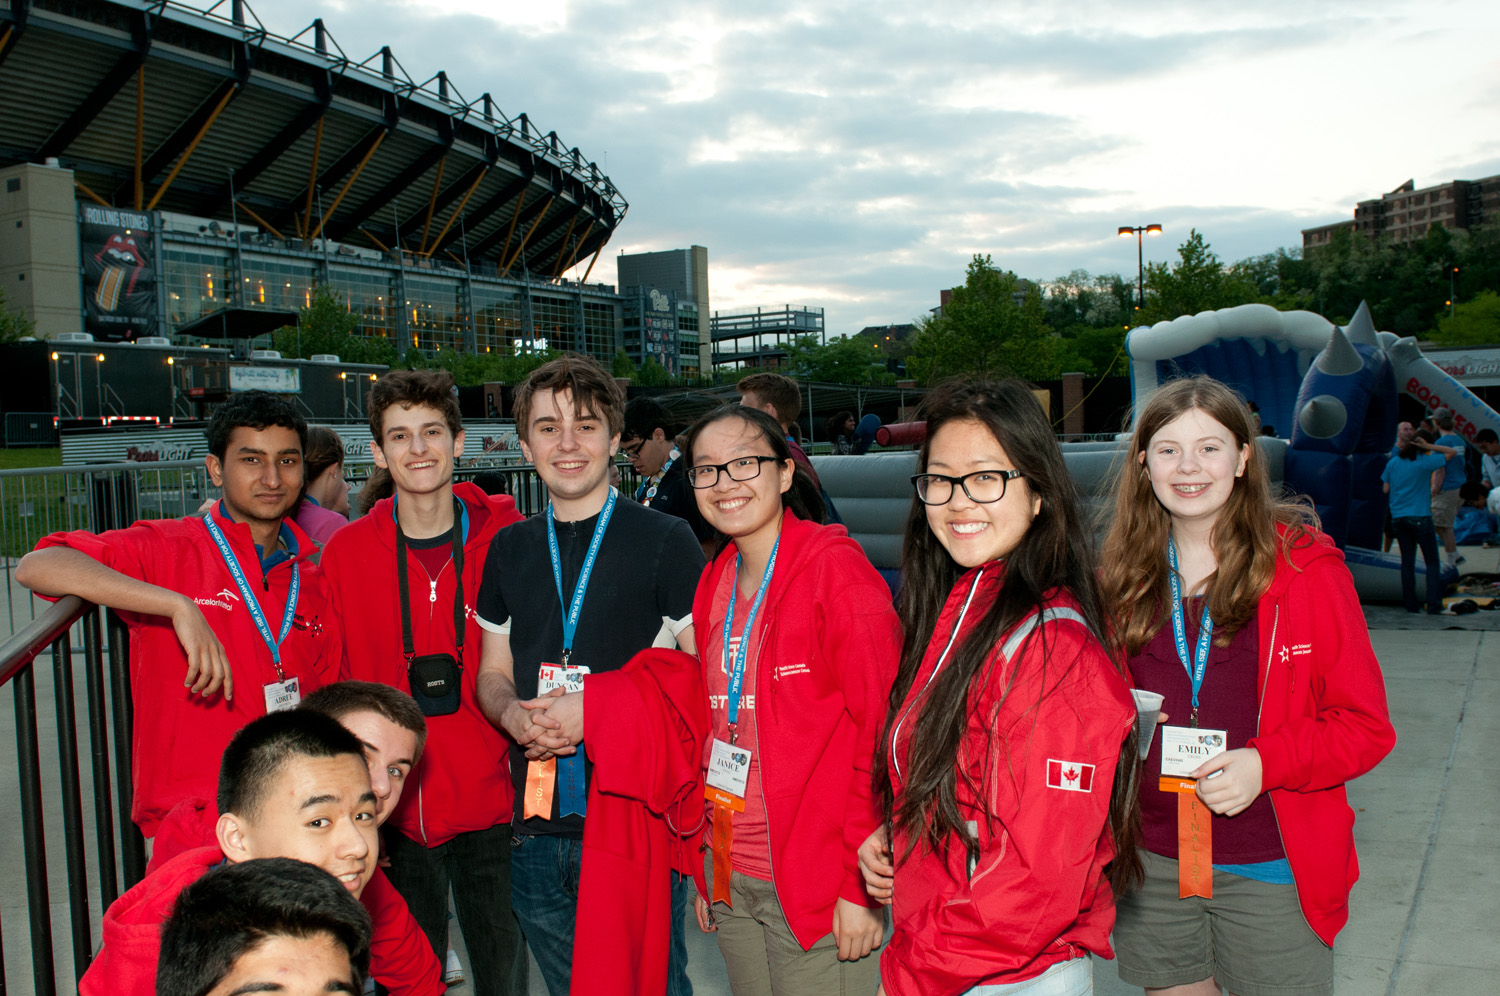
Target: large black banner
<point x="119" y="285"/>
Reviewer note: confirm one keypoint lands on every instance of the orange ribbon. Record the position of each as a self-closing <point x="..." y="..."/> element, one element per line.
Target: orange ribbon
<point x="723" y="842"/>
<point x="541" y="777"/>
<point x="1195" y="871"/>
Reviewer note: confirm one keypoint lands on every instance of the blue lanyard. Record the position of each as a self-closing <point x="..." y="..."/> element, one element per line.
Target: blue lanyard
<point x="737" y="672"/>
<point x="650" y="492"/>
<point x="1179" y="632"/>
<point x="253" y="606"/>
<point x="570" y="618"/>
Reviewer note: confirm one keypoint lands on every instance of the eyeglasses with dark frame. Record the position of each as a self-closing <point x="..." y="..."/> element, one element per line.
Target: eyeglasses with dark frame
<point x="982" y="486"/>
<point x="740" y="469"/>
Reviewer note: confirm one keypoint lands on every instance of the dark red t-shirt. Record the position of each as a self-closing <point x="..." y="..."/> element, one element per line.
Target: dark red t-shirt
<point x="1229" y="700"/>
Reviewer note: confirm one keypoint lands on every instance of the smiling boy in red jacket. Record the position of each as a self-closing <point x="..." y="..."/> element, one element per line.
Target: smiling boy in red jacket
<point x="292" y="785"/>
<point x="402" y="578"/>
<point x="228" y="600"/>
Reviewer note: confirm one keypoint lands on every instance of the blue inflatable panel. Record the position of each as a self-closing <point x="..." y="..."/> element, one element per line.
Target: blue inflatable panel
<point x="1377" y="576"/>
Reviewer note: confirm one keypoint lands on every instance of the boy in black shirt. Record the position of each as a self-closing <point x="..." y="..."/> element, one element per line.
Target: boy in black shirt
<point x="575" y="591"/>
<point x="648" y="440"/>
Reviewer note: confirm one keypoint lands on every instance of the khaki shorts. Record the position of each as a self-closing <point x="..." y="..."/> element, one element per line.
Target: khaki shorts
<point x="1445" y="508"/>
<point x="1251" y="936"/>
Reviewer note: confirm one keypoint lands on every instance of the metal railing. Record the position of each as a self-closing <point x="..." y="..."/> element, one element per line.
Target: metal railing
<point x="108" y="723"/>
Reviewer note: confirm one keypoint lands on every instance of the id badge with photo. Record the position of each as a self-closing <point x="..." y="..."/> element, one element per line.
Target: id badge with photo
<point x="728" y="774"/>
<point x="1184" y="748"/>
<point x="283" y="695"/>
<point x="569" y="678"/>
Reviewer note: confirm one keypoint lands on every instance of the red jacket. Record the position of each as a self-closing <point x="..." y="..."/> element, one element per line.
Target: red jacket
<point x="830" y="643"/>
<point x="463" y="781"/>
<point x="1323" y="721"/>
<point x="1036" y="771"/>
<point x="179" y="736"/>
<point x="401" y="958"/>
<point x="647" y="787"/>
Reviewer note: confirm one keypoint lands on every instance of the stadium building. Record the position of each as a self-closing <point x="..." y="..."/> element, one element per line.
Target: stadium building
<point x="160" y="165"/>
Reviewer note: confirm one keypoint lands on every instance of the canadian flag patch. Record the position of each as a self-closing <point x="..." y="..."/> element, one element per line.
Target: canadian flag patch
<point x="1070" y="776"/>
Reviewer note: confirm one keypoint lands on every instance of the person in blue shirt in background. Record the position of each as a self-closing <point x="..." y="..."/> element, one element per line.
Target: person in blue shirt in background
<point x="1408" y="481"/>
<point x="1445" y="497"/>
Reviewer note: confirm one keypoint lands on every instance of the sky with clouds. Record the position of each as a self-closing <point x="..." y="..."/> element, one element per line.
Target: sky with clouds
<point x="854" y="156"/>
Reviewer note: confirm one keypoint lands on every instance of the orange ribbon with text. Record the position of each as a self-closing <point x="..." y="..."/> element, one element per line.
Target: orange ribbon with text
<point x="1195" y="871"/>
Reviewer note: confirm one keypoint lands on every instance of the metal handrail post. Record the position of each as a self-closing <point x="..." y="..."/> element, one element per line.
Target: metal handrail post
<point x="132" y="846"/>
<point x="72" y="803"/>
<point x="33" y="835"/>
<point x="104" y="831"/>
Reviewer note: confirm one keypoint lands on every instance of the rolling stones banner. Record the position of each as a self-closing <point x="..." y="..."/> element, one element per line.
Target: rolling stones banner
<point x="119" y="285"/>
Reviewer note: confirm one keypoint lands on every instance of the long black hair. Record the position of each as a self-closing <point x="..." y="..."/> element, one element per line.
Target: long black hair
<point x="802" y="497"/>
<point x="1055" y="554"/>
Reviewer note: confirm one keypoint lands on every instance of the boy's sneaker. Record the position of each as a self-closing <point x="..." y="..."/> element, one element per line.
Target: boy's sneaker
<point x="453" y="972"/>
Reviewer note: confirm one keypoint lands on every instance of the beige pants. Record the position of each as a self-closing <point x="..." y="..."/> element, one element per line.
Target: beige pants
<point x="764" y="959"/>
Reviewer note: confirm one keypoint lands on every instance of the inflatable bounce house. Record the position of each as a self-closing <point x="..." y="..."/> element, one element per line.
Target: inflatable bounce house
<point x="1332" y="392"/>
<point x="1329" y="392"/>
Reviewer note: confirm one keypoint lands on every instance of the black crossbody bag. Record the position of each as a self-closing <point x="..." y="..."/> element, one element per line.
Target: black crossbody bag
<point x="436" y="680"/>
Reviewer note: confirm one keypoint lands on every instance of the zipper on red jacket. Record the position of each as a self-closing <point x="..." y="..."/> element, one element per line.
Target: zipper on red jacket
<point x="1259" y="708"/>
<point x="896" y="730"/>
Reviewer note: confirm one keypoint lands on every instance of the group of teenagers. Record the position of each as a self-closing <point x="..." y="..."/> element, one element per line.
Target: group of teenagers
<point x="584" y="724"/>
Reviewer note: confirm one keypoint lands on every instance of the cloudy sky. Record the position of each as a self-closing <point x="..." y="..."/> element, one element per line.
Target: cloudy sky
<point x="854" y="155"/>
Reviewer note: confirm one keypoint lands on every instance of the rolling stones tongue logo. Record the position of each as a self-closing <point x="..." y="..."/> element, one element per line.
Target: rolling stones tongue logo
<point x="121" y="249"/>
<point x="121" y="258"/>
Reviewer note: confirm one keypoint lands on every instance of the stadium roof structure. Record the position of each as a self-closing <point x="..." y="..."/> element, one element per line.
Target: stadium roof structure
<point x="157" y="105"/>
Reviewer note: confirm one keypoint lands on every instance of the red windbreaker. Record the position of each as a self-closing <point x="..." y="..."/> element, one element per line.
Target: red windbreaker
<point x="180" y="736"/>
<point x="401" y="959"/>
<point x="1036" y="770"/>
<point x="829" y="646"/>
<point x="463" y="783"/>
<point x="1323" y="721"/>
<point x="651" y="717"/>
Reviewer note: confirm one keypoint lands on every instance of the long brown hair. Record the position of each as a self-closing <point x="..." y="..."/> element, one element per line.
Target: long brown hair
<point x="1054" y="555"/>
<point x="1244" y="538"/>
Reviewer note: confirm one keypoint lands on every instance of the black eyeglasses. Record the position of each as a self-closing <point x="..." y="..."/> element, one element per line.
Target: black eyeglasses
<point x="743" y="469"/>
<point x="982" y="486"/>
<point x="631" y="448"/>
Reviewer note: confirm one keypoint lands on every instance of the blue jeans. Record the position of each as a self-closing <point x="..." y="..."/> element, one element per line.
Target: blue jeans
<point x="678" y="983"/>
<point x="476" y="866"/>
<point x="1413" y="531"/>
<point x="544" y="874"/>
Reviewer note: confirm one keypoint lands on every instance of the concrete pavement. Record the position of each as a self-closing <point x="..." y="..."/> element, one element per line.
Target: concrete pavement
<point x="1424" y="913"/>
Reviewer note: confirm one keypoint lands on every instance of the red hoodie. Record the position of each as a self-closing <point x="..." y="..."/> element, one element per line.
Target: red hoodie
<point x="179" y="737"/>
<point x="647" y="787"/>
<point x="463" y="783"/>
<point x="1323" y="721"/>
<point x="401" y="959"/>
<point x="829" y="645"/>
<point x="1044" y="735"/>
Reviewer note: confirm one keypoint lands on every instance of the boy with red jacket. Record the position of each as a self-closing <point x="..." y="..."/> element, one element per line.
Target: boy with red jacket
<point x="292" y="785"/>
<point x="403" y="576"/>
<point x="190" y="589"/>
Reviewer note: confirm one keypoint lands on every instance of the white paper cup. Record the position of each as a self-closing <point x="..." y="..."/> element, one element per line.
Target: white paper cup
<point x="1147" y="708"/>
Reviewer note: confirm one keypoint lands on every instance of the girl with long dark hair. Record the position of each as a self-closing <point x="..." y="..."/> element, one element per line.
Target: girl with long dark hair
<point x="1229" y="602"/>
<point x="799" y="642"/>
<point x="999" y="766"/>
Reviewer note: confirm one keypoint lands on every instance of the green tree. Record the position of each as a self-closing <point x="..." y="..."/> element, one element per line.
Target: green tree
<point x="623" y="366"/>
<point x="1198" y="281"/>
<point x="991" y="325"/>
<point x="327" y="325"/>
<point x="14" y="325"/>
<point x="1474" y="323"/>
<point x="841" y="360"/>
<point x="652" y="374"/>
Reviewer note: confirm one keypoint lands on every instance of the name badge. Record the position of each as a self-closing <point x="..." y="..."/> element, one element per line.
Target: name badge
<point x="1184" y="748"/>
<point x="569" y="678"/>
<point x="283" y="695"/>
<point x="728" y="773"/>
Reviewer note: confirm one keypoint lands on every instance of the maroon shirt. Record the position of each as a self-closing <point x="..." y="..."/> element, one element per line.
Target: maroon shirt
<point x="1228" y="700"/>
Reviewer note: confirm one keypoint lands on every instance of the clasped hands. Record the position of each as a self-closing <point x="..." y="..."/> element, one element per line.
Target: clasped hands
<point x="547" y="726"/>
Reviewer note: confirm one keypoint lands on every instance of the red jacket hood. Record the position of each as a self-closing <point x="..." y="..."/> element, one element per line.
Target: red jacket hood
<point x="830" y="644"/>
<point x="463" y="781"/>
<point x="1323" y="721"/>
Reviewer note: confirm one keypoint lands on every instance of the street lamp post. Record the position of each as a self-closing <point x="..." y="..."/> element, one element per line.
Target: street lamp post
<point x="1126" y="231"/>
